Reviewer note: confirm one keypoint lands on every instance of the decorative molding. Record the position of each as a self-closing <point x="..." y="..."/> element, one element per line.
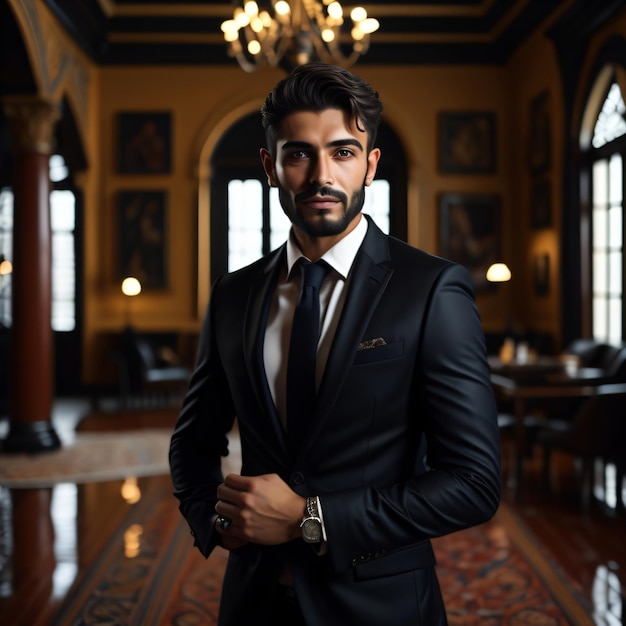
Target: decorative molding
<point x="31" y="121"/>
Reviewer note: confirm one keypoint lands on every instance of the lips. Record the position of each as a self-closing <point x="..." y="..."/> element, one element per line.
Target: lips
<point x="322" y="202"/>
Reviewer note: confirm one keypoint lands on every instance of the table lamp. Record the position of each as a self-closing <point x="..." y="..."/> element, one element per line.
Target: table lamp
<point x="498" y="273"/>
<point x="131" y="287"/>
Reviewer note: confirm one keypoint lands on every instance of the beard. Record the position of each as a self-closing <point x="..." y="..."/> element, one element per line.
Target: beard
<point x="323" y="227"/>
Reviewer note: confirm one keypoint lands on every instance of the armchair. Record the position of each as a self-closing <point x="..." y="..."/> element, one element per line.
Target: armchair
<point x="149" y="374"/>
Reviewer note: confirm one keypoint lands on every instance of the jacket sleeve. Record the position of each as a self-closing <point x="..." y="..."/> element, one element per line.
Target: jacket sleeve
<point x="457" y="411"/>
<point x="200" y="439"/>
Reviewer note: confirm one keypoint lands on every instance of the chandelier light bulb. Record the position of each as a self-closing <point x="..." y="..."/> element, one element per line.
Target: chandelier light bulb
<point x="335" y="10"/>
<point x="369" y="25"/>
<point x="254" y="47"/>
<point x="282" y="8"/>
<point x="356" y="33"/>
<point x="328" y="35"/>
<point x="241" y="17"/>
<point x="228" y="27"/>
<point x="358" y="14"/>
<point x="251" y="8"/>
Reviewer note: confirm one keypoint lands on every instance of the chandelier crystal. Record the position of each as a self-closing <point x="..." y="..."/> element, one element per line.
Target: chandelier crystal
<point x="296" y="32"/>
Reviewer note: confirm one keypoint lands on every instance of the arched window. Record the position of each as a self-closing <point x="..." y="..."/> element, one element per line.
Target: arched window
<point x="607" y="160"/>
<point x="63" y="270"/>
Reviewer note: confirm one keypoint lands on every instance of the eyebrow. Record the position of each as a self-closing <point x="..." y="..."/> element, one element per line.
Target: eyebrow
<point x="290" y="145"/>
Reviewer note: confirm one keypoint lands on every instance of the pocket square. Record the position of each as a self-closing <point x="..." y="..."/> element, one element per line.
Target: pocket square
<point x="372" y="343"/>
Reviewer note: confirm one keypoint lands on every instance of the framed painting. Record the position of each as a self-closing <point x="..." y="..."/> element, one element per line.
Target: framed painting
<point x="142" y="237"/>
<point x="144" y="145"/>
<point x="541" y="204"/>
<point x="469" y="227"/>
<point x="539" y="146"/>
<point x="467" y="142"/>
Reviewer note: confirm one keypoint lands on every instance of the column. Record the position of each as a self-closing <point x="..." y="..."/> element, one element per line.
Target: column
<point x="32" y="123"/>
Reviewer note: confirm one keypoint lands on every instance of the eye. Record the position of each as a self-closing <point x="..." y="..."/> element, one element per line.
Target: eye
<point x="299" y="154"/>
<point x="344" y="153"/>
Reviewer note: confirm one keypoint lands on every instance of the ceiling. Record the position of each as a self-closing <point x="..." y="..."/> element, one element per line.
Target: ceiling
<point x="147" y="32"/>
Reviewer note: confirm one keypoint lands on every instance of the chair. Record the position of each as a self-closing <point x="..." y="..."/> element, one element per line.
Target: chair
<point x="149" y="373"/>
<point x="591" y="352"/>
<point x="615" y="365"/>
<point x="598" y="431"/>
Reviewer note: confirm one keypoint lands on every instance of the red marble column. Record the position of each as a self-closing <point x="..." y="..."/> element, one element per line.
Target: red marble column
<point x="31" y="377"/>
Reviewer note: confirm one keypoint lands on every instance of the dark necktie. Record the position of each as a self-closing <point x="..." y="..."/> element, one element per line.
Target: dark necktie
<point x="301" y="390"/>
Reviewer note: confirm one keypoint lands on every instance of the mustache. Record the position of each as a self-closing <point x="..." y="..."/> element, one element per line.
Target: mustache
<point x="321" y="191"/>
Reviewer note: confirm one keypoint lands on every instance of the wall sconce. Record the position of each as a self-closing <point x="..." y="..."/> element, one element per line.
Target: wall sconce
<point x="131" y="287"/>
<point x="498" y="273"/>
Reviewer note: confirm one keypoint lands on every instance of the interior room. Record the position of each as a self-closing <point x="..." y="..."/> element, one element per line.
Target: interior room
<point x="130" y="180"/>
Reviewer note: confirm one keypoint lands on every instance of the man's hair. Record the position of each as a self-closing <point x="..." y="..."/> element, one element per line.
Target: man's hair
<point x="319" y="86"/>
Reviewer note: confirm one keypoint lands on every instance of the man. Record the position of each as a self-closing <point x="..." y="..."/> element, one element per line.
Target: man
<point x="330" y="519"/>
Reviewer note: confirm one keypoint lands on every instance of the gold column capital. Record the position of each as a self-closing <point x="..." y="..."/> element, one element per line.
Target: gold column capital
<point x="31" y="121"/>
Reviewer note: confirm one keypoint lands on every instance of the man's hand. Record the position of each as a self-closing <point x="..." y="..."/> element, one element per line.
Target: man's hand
<point x="263" y="509"/>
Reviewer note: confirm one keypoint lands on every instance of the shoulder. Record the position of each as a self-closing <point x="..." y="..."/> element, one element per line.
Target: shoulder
<point x="413" y="266"/>
<point x="254" y="272"/>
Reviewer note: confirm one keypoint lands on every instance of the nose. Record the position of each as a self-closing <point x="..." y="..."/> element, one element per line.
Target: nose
<point x="321" y="171"/>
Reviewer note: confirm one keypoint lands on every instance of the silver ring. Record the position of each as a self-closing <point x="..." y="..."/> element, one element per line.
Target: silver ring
<point x="224" y="522"/>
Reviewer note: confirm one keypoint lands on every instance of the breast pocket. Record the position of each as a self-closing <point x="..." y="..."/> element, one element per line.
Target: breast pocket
<point x="393" y="350"/>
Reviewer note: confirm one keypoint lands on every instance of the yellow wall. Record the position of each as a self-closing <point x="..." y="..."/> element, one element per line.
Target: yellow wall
<point x="205" y="101"/>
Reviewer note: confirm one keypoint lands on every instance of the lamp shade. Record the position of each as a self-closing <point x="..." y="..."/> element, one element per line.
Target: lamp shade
<point x="498" y="273"/>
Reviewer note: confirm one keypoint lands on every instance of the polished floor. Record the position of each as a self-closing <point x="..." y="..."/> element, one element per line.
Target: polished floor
<point x="590" y="548"/>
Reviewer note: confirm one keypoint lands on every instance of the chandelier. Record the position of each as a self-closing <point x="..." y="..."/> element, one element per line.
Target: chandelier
<point x="296" y="32"/>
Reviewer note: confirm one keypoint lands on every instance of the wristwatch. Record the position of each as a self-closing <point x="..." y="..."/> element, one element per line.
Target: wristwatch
<point x="311" y="524"/>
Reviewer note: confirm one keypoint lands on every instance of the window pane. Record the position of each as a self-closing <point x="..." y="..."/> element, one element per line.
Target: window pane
<point x="600" y="178"/>
<point x="377" y="203"/>
<point x="599" y="228"/>
<point x="62" y="223"/>
<point x="245" y="222"/>
<point x="600" y="308"/>
<point x="610" y="123"/>
<point x="62" y="210"/>
<point x="615" y="179"/>
<point x="615" y="227"/>
<point x="279" y="222"/>
<point x="615" y="321"/>
<point x="615" y="273"/>
<point x="600" y="277"/>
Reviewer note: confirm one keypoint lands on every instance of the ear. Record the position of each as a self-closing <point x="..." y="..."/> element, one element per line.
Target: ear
<point x="372" y="165"/>
<point x="268" y="166"/>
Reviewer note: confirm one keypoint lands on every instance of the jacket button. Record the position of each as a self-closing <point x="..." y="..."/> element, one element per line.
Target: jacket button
<point x="297" y="478"/>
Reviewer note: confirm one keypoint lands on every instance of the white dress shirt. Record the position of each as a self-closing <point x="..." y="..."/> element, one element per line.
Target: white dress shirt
<point x="332" y="295"/>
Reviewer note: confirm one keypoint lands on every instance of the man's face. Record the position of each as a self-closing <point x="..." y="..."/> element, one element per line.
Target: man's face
<point x="321" y="169"/>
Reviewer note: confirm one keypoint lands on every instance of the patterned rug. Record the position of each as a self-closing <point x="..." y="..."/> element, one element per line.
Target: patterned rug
<point x="491" y="575"/>
<point x="91" y="457"/>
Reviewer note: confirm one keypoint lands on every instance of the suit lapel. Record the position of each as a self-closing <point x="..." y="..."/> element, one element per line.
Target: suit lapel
<point x="255" y="322"/>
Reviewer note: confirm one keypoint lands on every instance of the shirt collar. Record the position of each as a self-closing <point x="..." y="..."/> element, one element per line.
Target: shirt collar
<point x="340" y="257"/>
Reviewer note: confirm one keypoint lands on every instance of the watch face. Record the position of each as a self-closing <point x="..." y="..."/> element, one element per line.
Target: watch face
<point x="312" y="531"/>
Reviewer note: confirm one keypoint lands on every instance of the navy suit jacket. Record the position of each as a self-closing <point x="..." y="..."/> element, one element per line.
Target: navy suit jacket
<point x="379" y="409"/>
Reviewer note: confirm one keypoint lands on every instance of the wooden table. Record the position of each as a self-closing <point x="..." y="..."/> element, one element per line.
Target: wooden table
<point x="546" y="378"/>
